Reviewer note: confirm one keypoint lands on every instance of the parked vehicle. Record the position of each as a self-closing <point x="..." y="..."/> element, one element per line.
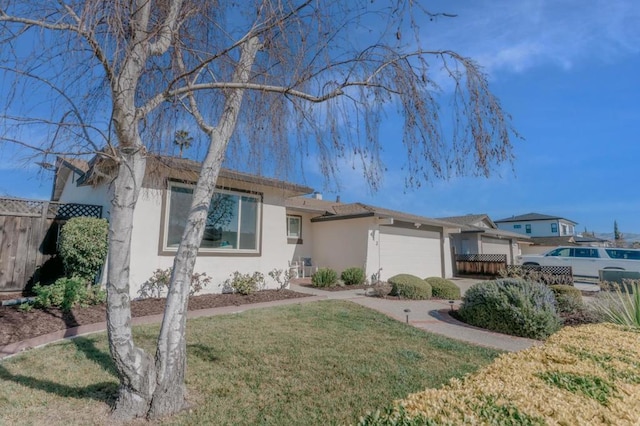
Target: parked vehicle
<point x="586" y="261"/>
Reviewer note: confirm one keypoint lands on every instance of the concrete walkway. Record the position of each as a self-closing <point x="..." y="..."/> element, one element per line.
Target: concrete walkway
<point x="428" y="315"/>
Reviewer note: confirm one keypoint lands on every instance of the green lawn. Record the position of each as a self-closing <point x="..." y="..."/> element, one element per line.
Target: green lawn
<point x="317" y="363"/>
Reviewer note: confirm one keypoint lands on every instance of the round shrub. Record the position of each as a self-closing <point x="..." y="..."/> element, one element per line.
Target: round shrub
<point x="568" y="298"/>
<point x="353" y="276"/>
<point x="324" y="277"/>
<point x="409" y="287"/>
<point x="511" y="306"/>
<point x="443" y="288"/>
<point x="83" y="246"/>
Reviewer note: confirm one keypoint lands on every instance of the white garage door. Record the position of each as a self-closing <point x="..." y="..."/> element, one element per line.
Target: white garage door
<point x="409" y="251"/>
<point x="496" y="246"/>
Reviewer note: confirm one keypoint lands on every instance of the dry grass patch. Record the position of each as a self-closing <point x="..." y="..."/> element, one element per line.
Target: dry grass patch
<point x="320" y="363"/>
<point x="586" y="375"/>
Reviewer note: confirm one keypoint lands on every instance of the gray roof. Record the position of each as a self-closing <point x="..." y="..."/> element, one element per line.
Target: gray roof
<point x="468" y="219"/>
<point x="330" y="210"/>
<point x="159" y="168"/>
<point x="531" y="217"/>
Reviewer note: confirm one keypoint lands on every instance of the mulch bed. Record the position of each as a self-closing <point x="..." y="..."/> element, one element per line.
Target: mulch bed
<point x="336" y="288"/>
<point x="16" y="325"/>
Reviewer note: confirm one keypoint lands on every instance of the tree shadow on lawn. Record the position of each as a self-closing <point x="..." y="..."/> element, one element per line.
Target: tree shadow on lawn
<point x="104" y="391"/>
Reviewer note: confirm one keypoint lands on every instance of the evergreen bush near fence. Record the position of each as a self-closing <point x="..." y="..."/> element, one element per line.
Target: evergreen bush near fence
<point x="83" y="246"/>
<point x="443" y="288"/>
<point x="410" y="287"/>
<point x="353" y="276"/>
<point x="511" y="306"/>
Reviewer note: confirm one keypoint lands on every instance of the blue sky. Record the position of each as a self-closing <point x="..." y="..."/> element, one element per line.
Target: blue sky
<point x="569" y="74"/>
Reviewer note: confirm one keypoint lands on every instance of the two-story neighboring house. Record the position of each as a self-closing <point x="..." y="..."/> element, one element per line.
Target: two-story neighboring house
<point x="538" y="225"/>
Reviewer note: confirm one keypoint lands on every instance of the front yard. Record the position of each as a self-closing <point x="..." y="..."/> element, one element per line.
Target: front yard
<point x="320" y="363"/>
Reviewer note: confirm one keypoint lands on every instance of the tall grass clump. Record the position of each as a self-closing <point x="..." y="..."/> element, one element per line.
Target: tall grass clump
<point x="620" y="304"/>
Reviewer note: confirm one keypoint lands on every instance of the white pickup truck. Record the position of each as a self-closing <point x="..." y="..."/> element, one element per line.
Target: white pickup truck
<point x="586" y="261"/>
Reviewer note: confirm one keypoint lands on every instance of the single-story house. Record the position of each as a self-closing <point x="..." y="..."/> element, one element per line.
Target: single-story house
<point x="258" y="224"/>
<point x="384" y="242"/>
<point x="480" y="235"/>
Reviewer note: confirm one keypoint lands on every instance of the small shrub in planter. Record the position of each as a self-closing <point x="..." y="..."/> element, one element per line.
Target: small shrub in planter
<point x="158" y="284"/>
<point x="353" y="276"/>
<point x="66" y="293"/>
<point x="324" y="277"/>
<point x="443" y="288"/>
<point x="245" y="284"/>
<point x="511" y="306"/>
<point x="410" y="287"/>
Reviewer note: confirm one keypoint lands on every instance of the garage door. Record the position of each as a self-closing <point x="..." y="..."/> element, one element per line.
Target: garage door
<point x="409" y="251"/>
<point x="496" y="246"/>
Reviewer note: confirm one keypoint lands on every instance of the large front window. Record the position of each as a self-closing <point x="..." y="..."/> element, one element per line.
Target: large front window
<point x="232" y="222"/>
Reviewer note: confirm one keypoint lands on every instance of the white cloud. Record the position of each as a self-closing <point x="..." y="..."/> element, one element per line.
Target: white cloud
<point x="518" y="35"/>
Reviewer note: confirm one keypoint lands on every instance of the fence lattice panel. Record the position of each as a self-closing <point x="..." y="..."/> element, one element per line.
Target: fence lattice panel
<point x="547" y="274"/>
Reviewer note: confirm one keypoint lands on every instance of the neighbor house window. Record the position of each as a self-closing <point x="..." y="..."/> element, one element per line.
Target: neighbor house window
<point x="554" y="228"/>
<point x="232" y="222"/>
<point x="294" y="226"/>
<point x="527" y="229"/>
<point x="517" y="226"/>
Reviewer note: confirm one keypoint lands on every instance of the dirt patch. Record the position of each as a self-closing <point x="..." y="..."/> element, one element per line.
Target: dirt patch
<point x="16" y="325"/>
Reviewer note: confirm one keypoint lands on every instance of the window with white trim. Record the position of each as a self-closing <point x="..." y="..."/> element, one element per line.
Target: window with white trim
<point x="294" y="226"/>
<point x="232" y="221"/>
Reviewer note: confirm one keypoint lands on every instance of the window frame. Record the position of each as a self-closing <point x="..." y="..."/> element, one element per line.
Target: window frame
<point x="554" y="228"/>
<point x="165" y="250"/>
<point x="294" y="239"/>
<point x="527" y="228"/>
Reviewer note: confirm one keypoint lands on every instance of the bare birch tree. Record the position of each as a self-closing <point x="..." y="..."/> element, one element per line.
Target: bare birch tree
<point x="278" y="79"/>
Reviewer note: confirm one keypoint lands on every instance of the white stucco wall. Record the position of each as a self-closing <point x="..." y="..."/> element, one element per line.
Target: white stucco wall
<point x="341" y="244"/>
<point x="295" y="252"/>
<point x="497" y="246"/>
<point x="145" y="255"/>
<point x="145" y="247"/>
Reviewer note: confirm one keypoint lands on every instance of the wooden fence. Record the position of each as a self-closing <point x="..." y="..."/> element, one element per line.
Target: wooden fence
<point x="480" y="264"/>
<point x="28" y="239"/>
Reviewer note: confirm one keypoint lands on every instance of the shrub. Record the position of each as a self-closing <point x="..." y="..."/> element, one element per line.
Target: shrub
<point x="380" y="289"/>
<point x="65" y="293"/>
<point x="443" y="288"/>
<point x="83" y="246"/>
<point x="410" y="287"/>
<point x="511" y="306"/>
<point x="282" y="277"/>
<point x="353" y="276"/>
<point x="245" y="284"/>
<point x="324" y="277"/>
<point x="158" y="284"/>
<point x="568" y="298"/>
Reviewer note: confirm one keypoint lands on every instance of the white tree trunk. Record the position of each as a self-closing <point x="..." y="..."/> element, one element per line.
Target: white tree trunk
<point x="170" y="394"/>
<point x="135" y="367"/>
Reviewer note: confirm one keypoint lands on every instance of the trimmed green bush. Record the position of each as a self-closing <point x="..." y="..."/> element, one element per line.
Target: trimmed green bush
<point x="83" y="246"/>
<point x="410" y="287"/>
<point x="324" y="277"/>
<point x="353" y="276"/>
<point x="511" y="306"/>
<point x="443" y="288"/>
<point x="67" y="293"/>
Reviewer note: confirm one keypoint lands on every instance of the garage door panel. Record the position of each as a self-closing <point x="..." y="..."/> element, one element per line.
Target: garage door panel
<point x="408" y="251"/>
<point x="496" y="246"/>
